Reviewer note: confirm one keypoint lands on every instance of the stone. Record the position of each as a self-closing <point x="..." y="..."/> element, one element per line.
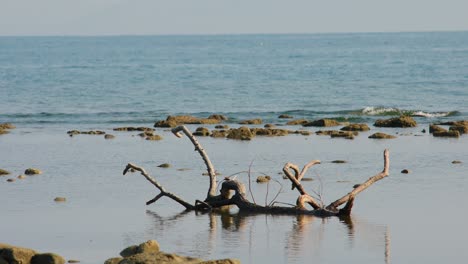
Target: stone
<point x="47" y="258"/>
<point x="222" y="127"/>
<point x="322" y="123"/>
<point x="21" y="177"/>
<point x="218" y="133"/>
<point x="307" y="179"/>
<point x="173" y="121"/>
<point x="297" y="122"/>
<point x="269" y="132"/>
<point x="402" y="121"/>
<point x="241" y="133"/>
<point x="269" y="126"/>
<point x="460" y="129"/>
<point x="453" y="134"/>
<point x="263" y="179"/>
<point x="256" y="121"/>
<point x="3" y="261"/>
<point x="405" y="171"/>
<point x="339" y="161"/>
<point x="4" y="172"/>
<point x="380" y="135"/>
<point x="73" y="132"/>
<point x="436" y="128"/>
<point x="129" y="251"/>
<point x="148" y="246"/>
<point x="32" y="171"/>
<point x="457" y="162"/>
<point x="109" y="136"/>
<point x="60" y="199"/>
<point x="303" y="132"/>
<point x="343" y="134"/>
<point x="4" y="126"/>
<point x="10" y="180"/>
<point x="73" y="261"/>
<point x="222" y="261"/>
<point x="164" y="165"/>
<point x="146" y="134"/>
<point x="285" y="116"/>
<point x="130" y="129"/>
<point x="16" y="255"/>
<point x="154" y="137"/>
<point x="202" y="132"/>
<point x="356" y="127"/>
<point x="218" y="117"/>
<point x="325" y="132"/>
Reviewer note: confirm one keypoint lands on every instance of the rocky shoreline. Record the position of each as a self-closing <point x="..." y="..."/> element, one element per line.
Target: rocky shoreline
<point x="144" y="253"/>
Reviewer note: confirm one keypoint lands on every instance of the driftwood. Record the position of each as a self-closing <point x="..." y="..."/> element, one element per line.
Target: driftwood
<point x="233" y="192"/>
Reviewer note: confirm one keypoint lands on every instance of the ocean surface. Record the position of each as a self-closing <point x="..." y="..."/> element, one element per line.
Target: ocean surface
<point x="50" y="85"/>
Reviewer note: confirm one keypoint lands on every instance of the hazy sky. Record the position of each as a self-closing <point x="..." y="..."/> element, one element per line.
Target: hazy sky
<point x="123" y="17"/>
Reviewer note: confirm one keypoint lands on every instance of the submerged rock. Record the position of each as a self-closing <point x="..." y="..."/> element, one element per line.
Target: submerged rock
<point x="402" y="121"/>
<point x="285" y="116"/>
<point x="356" y="127"/>
<point x="32" y="171"/>
<point x="297" y="122"/>
<point x="256" y="121"/>
<point x="322" y="123"/>
<point x="164" y="165"/>
<point x="380" y="135"/>
<point x="241" y="133"/>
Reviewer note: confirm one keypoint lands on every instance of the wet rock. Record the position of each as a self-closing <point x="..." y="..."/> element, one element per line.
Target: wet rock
<point x="256" y="121"/>
<point x="423" y="131"/>
<point x="436" y="128"/>
<point x="3" y="261"/>
<point x="325" y="132"/>
<point x="32" y="171"/>
<point x="303" y="132"/>
<point x="380" y="135"/>
<point x="460" y="129"/>
<point x="10" y="180"/>
<point x="146" y="134"/>
<point x="452" y="134"/>
<point x="343" y="134"/>
<point x="402" y="121"/>
<point x="93" y="132"/>
<point x="297" y="122"/>
<point x="73" y="132"/>
<point x="218" y="117"/>
<point x="269" y="126"/>
<point x="269" y="132"/>
<point x="3" y="131"/>
<point x="202" y="132"/>
<point x="455" y="123"/>
<point x="47" y="258"/>
<point x="148" y="246"/>
<point x="322" y="123"/>
<point x="263" y="179"/>
<point x="307" y="179"/>
<point x="221" y="261"/>
<point x="73" y="261"/>
<point x="218" y="133"/>
<point x="241" y="133"/>
<point x="405" y="171"/>
<point x="222" y="127"/>
<point x="173" y="121"/>
<point x="457" y="162"/>
<point x="60" y="199"/>
<point x="4" y="172"/>
<point x="285" y="116"/>
<point x="339" y="161"/>
<point x="14" y="254"/>
<point x="164" y="165"/>
<point x="129" y="251"/>
<point x="21" y="177"/>
<point x="109" y="136"/>
<point x="154" y="137"/>
<point x="130" y="129"/>
<point x="356" y="127"/>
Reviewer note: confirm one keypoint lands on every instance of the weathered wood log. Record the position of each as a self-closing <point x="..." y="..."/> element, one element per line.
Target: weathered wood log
<point x="233" y="192"/>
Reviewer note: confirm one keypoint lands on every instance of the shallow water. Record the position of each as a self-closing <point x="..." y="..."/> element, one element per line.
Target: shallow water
<point x="405" y="218"/>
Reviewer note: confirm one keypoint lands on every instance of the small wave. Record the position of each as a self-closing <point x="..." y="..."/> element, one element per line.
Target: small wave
<point x="391" y="111"/>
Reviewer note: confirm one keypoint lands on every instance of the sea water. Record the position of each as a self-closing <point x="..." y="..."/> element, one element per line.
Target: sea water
<point x="49" y="85"/>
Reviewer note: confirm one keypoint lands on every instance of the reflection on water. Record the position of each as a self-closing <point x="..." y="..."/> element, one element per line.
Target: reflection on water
<point x="255" y="238"/>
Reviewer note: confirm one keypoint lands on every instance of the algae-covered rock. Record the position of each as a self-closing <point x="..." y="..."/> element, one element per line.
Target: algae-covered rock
<point x="256" y="121"/>
<point x="285" y="116"/>
<point x="460" y="129"/>
<point x="453" y="134"/>
<point x="436" y="128"/>
<point x="343" y="134"/>
<point x="241" y="133"/>
<point x="325" y="132"/>
<point x="222" y="127"/>
<point x="297" y="122"/>
<point x="158" y="258"/>
<point x="380" y="135"/>
<point x="113" y="260"/>
<point x="269" y="126"/>
<point x="202" y="132"/>
<point x="129" y="251"/>
<point x="47" y="258"/>
<point x="32" y="171"/>
<point x="356" y="127"/>
<point x="148" y="246"/>
<point x="164" y="165"/>
<point x="15" y="255"/>
<point x="303" y="132"/>
<point x="4" y="172"/>
<point x="218" y="117"/>
<point x="173" y="121"/>
<point x="402" y="121"/>
<point x="269" y="132"/>
<point x="263" y="179"/>
<point x="322" y="123"/>
<point x="218" y="133"/>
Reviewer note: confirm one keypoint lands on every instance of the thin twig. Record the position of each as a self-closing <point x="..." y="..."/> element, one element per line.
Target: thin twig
<point x="250" y="189"/>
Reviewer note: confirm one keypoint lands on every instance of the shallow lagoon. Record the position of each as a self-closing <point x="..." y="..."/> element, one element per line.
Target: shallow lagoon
<point x="405" y="218"/>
